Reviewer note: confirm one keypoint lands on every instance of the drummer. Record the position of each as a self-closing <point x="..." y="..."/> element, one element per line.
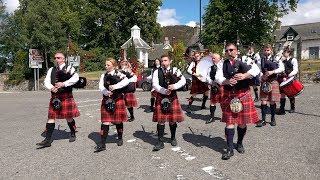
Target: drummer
<point x="291" y="69"/>
<point x="197" y="86"/>
<point x="216" y="89"/>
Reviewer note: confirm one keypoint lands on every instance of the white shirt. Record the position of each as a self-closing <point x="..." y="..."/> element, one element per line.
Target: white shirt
<point x="254" y="71"/>
<point x="280" y="68"/>
<point x="208" y="78"/>
<point x="162" y="90"/>
<point x="74" y="79"/>
<point x="124" y="82"/>
<point x="192" y="64"/>
<point x="295" y="70"/>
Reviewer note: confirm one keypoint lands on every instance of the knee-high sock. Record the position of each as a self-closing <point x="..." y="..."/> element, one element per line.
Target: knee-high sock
<point x="263" y="111"/>
<point x="282" y="103"/>
<point x="255" y="92"/>
<point x="212" y="111"/>
<point x="104" y="133"/>
<point x="160" y="129"/>
<point x="152" y="100"/>
<point x="119" y="130"/>
<point x="130" y="109"/>
<point x="72" y="126"/>
<point x="229" y="133"/>
<point x="241" y="133"/>
<point x="50" y="129"/>
<point x="190" y="101"/>
<point x="292" y="102"/>
<point x="173" y="128"/>
<point x="273" y="110"/>
<point x="204" y="100"/>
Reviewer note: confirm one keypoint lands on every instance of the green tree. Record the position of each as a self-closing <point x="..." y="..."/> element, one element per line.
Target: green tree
<point x="255" y="20"/>
<point x="178" y="59"/>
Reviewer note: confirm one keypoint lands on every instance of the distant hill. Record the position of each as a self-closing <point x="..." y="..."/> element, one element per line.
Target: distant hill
<point x="180" y="32"/>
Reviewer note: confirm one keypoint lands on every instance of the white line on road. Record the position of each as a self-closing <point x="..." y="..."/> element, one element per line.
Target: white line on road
<point x="89" y="105"/>
<point x="183" y="153"/>
<point x="89" y="100"/>
<point x="214" y="172"/>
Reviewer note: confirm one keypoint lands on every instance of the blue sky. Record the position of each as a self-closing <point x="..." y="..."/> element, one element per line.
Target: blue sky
<point x="186" y="12"/>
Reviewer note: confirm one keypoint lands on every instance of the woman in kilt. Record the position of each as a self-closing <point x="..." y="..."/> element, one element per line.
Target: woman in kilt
<point x="59" y="81"/>
<point x="270" y="67"/>
<point x="197" y="86"/>
<point x="166" y="81"/>
<point x="130" y="99"/>
<point x="216" y="90"/>
<point x="156" y="65"/>
<point x="113" y="109"/>
<point x="234" y="75"/>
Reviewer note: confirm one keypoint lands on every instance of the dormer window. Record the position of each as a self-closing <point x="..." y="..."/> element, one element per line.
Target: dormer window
<point x="290" y="37"/>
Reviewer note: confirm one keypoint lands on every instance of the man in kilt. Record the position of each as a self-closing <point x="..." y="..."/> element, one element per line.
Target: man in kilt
<point x="234" y="75"/>
<point x="290" y="70"/>
<point x="197" y="86"/>
<point x="156" y="65"/>
<point x="166" y="81"/>
<point x="216" y="90"/>
<point x="270" y="67"/>
<point x="59" y="81"/>
<point x="130" y="99"/>
<point x="113" y="109"/>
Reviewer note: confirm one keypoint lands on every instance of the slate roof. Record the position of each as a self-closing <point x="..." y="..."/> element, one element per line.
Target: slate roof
<point x="308" y="31"/>
<point x="157" y="50"/>
<point x="138" y="44"/>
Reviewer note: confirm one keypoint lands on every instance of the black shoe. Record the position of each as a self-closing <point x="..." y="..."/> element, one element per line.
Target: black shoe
<point x="273" y="122"/>
<point x="240" y="148"/>
<point x="281" y="112"/>
<point x="45" y="143"/>
<point x="130" y="119"/>
<point x="158" y="146"/>
<point x="256" y="99"/>
<point x="292" y="110"/>
<point x="227" y="154"/>
<point x="203" y="107"/>
<point x="151" y="110"/>
<point x="188" y="110"/>
<point x="120" y="142"/>
<point x="174" y="142"/>
<point x="261" y="123"/>
<point x="100" y="147"/>
<point x="211" y="120"/>
<point x="72" y="138"/>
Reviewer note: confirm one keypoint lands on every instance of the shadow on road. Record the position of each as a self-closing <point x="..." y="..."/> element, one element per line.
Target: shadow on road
<point x="306" y="114"/>
<point x="149" y="137"/>
<point x="95" y="137"/>
<point x="146" y="108"/>
<point x="217" y="143"/>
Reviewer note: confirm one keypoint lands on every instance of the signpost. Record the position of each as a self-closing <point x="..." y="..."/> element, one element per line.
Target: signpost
<point x="35" y="62"/>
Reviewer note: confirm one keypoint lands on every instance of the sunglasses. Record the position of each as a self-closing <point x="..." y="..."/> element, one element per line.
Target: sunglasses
<point x="230" y="50"/>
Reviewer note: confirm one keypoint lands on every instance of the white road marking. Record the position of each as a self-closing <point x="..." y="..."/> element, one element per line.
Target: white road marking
<point x="89" y="105"/>
<point x="131" y="140"/>
<point x="214" y="172"/>
<point x="183" y="153"/>
<point x="88" y="100"/>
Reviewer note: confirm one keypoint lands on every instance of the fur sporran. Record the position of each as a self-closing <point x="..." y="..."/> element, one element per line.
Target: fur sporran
<point x="166" y="105"/>
<point x="56" y="104"/>
<point x="236" y="105"/>
<point x="110" y="105"/>
<point x="266" y="87"/>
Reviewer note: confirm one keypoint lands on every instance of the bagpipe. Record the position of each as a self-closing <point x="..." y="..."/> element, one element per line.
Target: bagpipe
<point x="114" y="79"/>
<point x="172" y="78"/>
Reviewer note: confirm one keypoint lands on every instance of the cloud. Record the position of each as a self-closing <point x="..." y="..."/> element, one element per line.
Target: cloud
<point x="191" y="24"/>
<point x="307" y="12"/>
<point x="11" y="5"/>
<point x="167" y="17"/>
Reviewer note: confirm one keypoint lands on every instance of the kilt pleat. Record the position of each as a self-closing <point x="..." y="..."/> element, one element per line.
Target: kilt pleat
<point x="116" y="117"/>
<point x="216" y="98"/>
<point x="68" y="109"/>
<point x="198" y="87"/>
<point x="249" y="113"/>
<point x="274" y="95"/>
<point x="176" y="115"/>
<point x="130" y="100"/>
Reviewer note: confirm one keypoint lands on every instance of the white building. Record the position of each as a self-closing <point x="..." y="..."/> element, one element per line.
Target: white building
<point x="140" y="45"/>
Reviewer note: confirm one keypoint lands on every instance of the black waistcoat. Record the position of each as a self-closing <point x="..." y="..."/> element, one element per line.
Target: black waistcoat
<point x="61" y="76"/>
<point x="230" y="70"/>
<point x="269" y="65"/>
<point x="288" y="66"/>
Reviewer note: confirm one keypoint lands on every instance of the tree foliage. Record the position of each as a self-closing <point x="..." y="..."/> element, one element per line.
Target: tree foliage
<point x="178" y="58"/>
<point x="254" y="19"/>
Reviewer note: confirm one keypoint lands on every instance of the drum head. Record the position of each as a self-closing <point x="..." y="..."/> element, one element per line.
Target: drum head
<point x="203" y="67"/>
<point x="287" y="81"/>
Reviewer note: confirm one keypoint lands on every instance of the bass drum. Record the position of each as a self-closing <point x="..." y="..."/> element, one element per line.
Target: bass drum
<point x="203" y="67"/>
<point x="291" y="87"/>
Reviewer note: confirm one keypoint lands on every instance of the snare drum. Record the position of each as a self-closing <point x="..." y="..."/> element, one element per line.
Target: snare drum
<point x="291" y="87"/>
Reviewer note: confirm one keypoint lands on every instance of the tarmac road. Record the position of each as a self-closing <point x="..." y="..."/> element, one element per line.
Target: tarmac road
<point x="290" y="150"/>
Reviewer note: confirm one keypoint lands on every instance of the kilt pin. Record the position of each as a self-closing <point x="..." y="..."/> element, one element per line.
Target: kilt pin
<point x="130" y="100"/>
<point x="249" y="113"/>
<point x="68" y="109"/>
<point x="116" y="117"/>
<point x="274" y="95"/>
<point x="176" y="115"/>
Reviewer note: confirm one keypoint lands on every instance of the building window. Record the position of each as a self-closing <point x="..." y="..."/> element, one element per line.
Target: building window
<point x="313" y="52"/>
<point x="290" y="37"/>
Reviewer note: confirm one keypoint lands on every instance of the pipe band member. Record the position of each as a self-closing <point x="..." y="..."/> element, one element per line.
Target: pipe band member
<point x="166" y="81"/>
<point x="234" y="76"/>
<point x="59" y="81"/>
<point x="113" y="109"/>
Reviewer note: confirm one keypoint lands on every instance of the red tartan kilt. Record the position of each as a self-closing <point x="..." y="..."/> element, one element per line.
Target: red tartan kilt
<point x="249" y="113"/>
<point x="198" y="87"/>
<point x="274" y="95"/>
<point x="118" y="116"/>
<point x="130" y="100"/>
<point x="68" y="109"/>
<point x="176" y="115"/>
<point x="154" y="93"/>
<point x="216" y="98"/>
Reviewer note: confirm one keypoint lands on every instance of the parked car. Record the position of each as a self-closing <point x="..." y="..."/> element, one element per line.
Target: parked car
<point x="145" y="84"/>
